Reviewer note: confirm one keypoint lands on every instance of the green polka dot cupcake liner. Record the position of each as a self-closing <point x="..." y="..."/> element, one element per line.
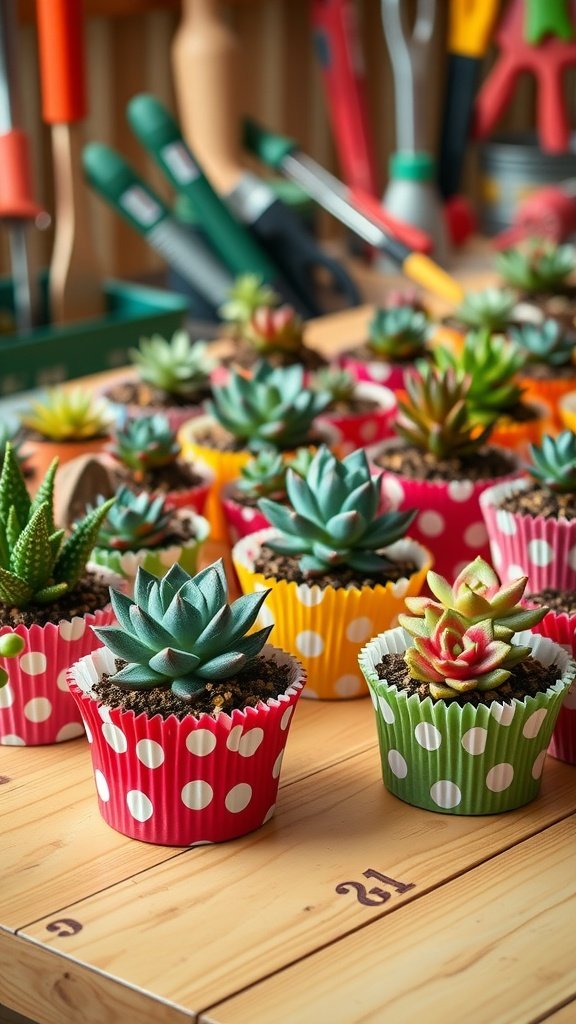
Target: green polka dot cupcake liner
<point x="155" y="560"/>
<point x="464" y="760"/>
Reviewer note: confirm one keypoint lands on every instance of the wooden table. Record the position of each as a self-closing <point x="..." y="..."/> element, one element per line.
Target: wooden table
<point x="348" y="906"/>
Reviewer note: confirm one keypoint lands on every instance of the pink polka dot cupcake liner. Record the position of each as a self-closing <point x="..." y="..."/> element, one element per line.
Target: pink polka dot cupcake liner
<point x="325" y="626"/>
<point x="35" y="704"/>
<point x="464" y="760"/>
<point x="542" y="549"/>
<point x="185" y="782"/>
<point x="155" y="560"/>
<point x="241" y="520"/>
<point x="561" y="628"/>
<point x="354" y="431"/>
<point x="376" y="371"/>
<point x="449" y="520"/>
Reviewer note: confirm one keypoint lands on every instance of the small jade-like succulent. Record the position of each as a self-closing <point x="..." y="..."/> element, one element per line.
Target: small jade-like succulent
<point x="274" y="330"/>
<point x="548" y="343"/>
<point x="272" y="407"/>
<point x="37" y="564"/>
<point x="490" y="363"/>
<point x="135" y="521"/>
<point x="436" y="416"/>
<point x="398" y="334"/>
<point x="264" y="476"/>
<point x="11" y="645"/>
<point x="68" y="415"/>
<point x="554" y="462"/>
<point x="477" y="594"/>
<point x="180" y="367"/>
<point x="332" y="518"/>
<point x="537" y="266"/>
<point x="181" y="633"/>
<point x="339" y="384"/>
<point x="145" y="443"/>
<point x="248" y="294"/>
<point x="490" y="308"/>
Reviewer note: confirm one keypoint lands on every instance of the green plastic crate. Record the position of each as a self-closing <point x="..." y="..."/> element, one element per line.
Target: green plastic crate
<point x="48" y="355"/>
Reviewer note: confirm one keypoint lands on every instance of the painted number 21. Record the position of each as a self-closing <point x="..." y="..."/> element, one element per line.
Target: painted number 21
<point x="376" y="895"/>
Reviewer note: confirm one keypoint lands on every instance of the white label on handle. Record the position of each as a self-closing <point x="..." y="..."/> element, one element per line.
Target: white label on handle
<point x="181" y="164"/>
<point x="140" y="205"/>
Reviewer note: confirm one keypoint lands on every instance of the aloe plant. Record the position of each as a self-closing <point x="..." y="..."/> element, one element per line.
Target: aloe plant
<point x="490" y="363"/>
<point x="180" y="367"/>
<point x="37" y="563"/>
<point x="135" y="521"/>
<point x="554" y="462"/>
<point x="68" y="415"/>
<point x="181" y="633"/>
<point x="436" y="416"/>
<point x="10" y="432"/>
<point x="538" y="266"/>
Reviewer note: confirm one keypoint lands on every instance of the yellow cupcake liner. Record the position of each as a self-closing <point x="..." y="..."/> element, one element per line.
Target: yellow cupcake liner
<point x="551" y="392"/>
<point x="567" y="410"/>
<point x="519" y="435"/>
<point x="326" y="626"/>
<point x="225" y="465"/>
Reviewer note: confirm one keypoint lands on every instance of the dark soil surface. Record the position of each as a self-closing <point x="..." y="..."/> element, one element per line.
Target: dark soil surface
<point x="182" y="530"/>
<point x="526" y="680"/>
<point x="522" y="412"/>
<point x="286" y="567"/>
<point x="486" y="464"/>
<point x="539" y="501"/>
<point x="556" y="600"/>
<point x="246" y="355"/>
<point x="259" y="681"/>
<point x="221" y="440"/>
<point x="177" y="476"/>
<point x="89" y="594"/>
<point x="137" y="392"/>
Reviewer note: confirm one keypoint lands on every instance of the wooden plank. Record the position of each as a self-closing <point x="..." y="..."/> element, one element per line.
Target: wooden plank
<point x="73" y="853"/>
<point x="495" y="945"/>
<point x="275" y="896"/>
<point x="564" y="1015"/>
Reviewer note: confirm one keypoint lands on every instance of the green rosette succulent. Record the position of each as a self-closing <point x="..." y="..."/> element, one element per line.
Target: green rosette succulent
<point x="264" y="476"/>
<point x="554" y="462"/>
<point x="339" y="384"/>
<point x="180" y="632"/>
<point x="490" y="308"/>
<point x="398" y="334"/>
<point x="37" y="563"/>
<point x="145" y="443"/>
<point x="248" y="294"/>
<point x="68" y="415"/>
<point x="547" y="343"/>
<point x="135" y="521"/>
<point x="332" y="519"/>
<point x="537" y="266"/>
<point x="11" y="645"/>
<point x="272" y="407"/>
<point x="436" y="416"/>
<point x="179" y="366"/>
<point x="491" y="364"/>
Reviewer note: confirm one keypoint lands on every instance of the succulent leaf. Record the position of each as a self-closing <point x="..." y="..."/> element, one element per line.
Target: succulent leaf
<point x="145" y="443"/>
<point x="537" y="266"/>
<point x="68" y="415"/>
<point x="548" y="343"/>
<point x="554" y="462"/>
<point x="133" y="521"/>
<point x="490" y="363"/>
<point x="177" y="366"/>
<point x="340" y="385"/>
<point x="490" y="309"/>
<point x="436" y="415"/>
<point x="274" y="330"/>
<point x="399" y="334"/>
<point x="248" y="294"/>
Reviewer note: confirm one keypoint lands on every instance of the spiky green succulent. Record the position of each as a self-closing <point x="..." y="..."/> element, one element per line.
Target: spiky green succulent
<point x="135" y="521"/>
<point x="145" y="443"/>
<point x="181" y="633"/>
<point x="490" y="308"/>
<point x="491" y="364"/>
<point x="462" y="641"/>
<point x="339" y="384"/>
<point x="398" y="334"/>
<point x="248" y="294"/>
<point x="178" y="366"/>
<point x="436" y="416"/>
<point x="11" y="645"/>
<point x="37" y="564"/>
<point x="537" y="266"/>
<point x="549" y="343"/>
<point x="68" y="415"/>
<point x="272" y="407"/>
<point x="332" y="516"/>
<point x="271" y="331"/>
<point x="10" y="433"/>
<point x="554" y="462"/>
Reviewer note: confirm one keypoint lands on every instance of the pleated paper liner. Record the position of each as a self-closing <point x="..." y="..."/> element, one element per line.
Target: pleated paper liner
<point x="190" y="781"/>
<point x="325" y="626"/>
<point x="155" y="560"/>
<point x="464" y="760"/>
<point x="35" y="704"/>
<point x="356" y="430"/>
<point x="525" y="545"/>
<point x="561" y="628"/>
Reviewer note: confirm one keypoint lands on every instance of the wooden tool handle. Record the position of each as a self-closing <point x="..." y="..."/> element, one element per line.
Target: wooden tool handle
<point x="62" y="60"/>
<point x="205" y="64"/>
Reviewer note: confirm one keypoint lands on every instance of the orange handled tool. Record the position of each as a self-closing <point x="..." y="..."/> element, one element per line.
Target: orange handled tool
<point x="75" y="281"/>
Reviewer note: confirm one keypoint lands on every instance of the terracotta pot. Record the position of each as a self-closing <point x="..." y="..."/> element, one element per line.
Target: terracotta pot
<point x="41" y="452"/>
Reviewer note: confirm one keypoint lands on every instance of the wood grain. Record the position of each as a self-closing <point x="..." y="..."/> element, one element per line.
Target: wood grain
<point x="270" y="898"/>
<point x="495" y="945"/>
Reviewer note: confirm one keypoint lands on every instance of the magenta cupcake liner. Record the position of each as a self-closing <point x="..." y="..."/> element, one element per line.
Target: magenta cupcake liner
<point x="376" y="371"/>
<point x="449" y="520"/>
<point x="35" y="704"/>
<point x="561" y="628"/>
<point x="240" y="519"/>
<point x="188" y="782"/>
<point x="542" y="549"/>
<point x="358" y="430"/>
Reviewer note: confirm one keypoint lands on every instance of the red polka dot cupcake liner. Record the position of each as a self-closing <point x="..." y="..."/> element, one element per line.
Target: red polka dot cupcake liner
<point x="325" y="626"/>
<point x="561" y="628"/>
<point x="376" y="371"/>
<point x="352" y="431"/>
<point x="449" y="520"/>
<point x="185" y="782"/>
<point x="464" y="760"/>
<point x="240" y="519"/>
<point x="35" y="704"/>
<point x="542" y="549"/>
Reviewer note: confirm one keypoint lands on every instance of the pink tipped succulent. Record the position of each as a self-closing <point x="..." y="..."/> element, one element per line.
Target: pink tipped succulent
<point x="405" y="297"/>
<point x="456" y="656"/>
<point x="274" y="330"/>
<point x="477" y="594"/>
